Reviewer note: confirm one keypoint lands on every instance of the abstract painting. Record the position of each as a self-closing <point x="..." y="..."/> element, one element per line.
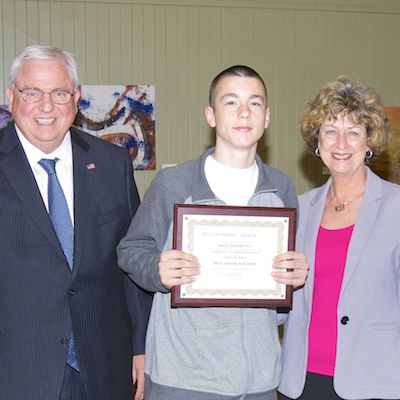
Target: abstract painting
<point x="123" y="115"/>
<point x="388" y="164"/>
<point x="5" y="116"/>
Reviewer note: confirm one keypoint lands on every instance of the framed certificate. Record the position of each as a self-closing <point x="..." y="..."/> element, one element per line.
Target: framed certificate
<point x="235" y="247"/>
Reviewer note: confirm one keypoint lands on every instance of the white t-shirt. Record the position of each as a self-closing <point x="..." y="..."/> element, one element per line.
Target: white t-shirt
<point x="234" y="186"/>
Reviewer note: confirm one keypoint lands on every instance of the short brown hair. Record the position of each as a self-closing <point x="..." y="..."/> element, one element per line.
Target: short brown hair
<point x="358" y="101"/>
<point x="235" y="70"/>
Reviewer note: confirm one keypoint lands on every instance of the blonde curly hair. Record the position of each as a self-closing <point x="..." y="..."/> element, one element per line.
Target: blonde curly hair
<point x="359" y="102"/>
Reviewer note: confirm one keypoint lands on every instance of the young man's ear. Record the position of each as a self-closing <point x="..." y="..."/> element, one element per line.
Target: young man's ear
<point x="267" y="115"/>
<point x="210" y="117"/>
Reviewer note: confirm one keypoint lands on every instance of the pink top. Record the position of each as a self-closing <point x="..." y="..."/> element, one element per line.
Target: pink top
<point x="330" y="260"/>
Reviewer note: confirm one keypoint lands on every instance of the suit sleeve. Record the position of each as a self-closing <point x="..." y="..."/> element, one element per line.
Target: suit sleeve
<point x="138" y="300"/>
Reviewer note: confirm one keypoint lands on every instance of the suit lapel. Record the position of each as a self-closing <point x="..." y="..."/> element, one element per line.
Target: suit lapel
<point x="84" y="173"/>
<point x="363" y="227"/>
<point x="16" y="169"/>
<point x="364" y="224"/>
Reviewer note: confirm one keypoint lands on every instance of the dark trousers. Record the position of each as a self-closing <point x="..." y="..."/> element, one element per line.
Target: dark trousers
<point x="72" y="388"/>
<point x="317" y="387"/>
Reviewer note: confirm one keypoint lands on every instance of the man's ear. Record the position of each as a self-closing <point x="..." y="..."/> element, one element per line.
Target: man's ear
<point x="210" y="117"/>
<point x="77" y="95"/>
<point x="10" y="96"/>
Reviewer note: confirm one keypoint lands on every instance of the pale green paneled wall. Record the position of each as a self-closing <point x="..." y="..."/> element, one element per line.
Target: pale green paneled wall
<point x="179" y="46"/>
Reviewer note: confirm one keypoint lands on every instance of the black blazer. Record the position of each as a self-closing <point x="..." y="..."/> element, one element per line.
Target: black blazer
<point x="41" y="300"/>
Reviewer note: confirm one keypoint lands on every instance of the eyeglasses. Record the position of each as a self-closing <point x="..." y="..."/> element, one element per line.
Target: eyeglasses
<point x="34" y="95"/>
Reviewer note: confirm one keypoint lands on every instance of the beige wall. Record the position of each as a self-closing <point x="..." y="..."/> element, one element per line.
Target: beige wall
<point x="179" y="46"/>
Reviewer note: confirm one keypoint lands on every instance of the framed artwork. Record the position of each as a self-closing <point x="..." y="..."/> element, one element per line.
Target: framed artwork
<point x="388" y="164"/>
<point x="123" y="115"/>
<point x="5" y="116"/>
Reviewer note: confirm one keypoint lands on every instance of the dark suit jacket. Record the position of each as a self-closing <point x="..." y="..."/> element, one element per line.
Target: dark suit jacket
<point x="41" y="300"/>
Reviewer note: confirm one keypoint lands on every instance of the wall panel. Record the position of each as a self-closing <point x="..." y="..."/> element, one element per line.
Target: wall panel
<point x="179" y="46"/>
<point x="44" y="17"/>
<point x="92" y="51"/>
<point x="80" y="38"/>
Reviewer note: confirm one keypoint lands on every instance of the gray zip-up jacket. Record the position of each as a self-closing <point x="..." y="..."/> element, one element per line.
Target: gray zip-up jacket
<point x="217" y="352"/>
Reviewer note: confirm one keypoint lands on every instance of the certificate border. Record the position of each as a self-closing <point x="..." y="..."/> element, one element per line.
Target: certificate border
<point x="180" y="210"/>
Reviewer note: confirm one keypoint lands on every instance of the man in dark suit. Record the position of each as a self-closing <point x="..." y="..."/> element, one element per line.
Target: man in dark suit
<point x="72" y="325"/>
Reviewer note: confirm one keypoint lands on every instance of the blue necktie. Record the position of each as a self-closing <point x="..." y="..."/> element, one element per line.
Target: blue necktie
<point x="61" y="219"/>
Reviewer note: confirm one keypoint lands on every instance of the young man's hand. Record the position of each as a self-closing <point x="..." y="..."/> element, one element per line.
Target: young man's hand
<point x="290" y="268"/>
<point x="177" y="267"/>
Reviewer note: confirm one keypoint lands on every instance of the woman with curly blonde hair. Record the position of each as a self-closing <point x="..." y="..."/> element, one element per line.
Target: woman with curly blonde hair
<point x="342" y="337"/>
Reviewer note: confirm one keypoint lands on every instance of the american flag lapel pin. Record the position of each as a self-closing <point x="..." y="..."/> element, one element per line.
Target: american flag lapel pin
<point x="91" y="166"/>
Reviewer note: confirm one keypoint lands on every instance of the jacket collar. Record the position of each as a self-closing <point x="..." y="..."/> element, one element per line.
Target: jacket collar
<point x="364" y="225"/>
<point x="201" y="191"/>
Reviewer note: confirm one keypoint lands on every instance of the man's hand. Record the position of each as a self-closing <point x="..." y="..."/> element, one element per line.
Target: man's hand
<point x="290" y="268"/>
<point x="138" y="376"/>
<point x="177" y="267"/>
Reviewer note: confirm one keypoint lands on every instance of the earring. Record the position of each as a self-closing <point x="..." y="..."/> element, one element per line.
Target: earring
<point x="316" y="151"/>
<point x="369" y="154"/>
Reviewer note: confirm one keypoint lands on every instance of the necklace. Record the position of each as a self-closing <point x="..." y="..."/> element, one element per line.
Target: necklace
<point x="341" y="206"/>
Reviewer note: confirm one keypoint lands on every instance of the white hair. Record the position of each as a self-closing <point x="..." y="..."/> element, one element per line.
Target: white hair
<point x="42" y="52"/>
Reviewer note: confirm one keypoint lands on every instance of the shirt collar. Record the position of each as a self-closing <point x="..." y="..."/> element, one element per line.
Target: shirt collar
<point x="63" y="152"/>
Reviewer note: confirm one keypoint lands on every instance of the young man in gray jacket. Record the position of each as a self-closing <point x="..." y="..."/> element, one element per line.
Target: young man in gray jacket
<point x="211" y="353"/>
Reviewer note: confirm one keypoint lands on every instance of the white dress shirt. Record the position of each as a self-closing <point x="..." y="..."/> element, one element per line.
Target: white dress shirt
<point x="64" y="168"/>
